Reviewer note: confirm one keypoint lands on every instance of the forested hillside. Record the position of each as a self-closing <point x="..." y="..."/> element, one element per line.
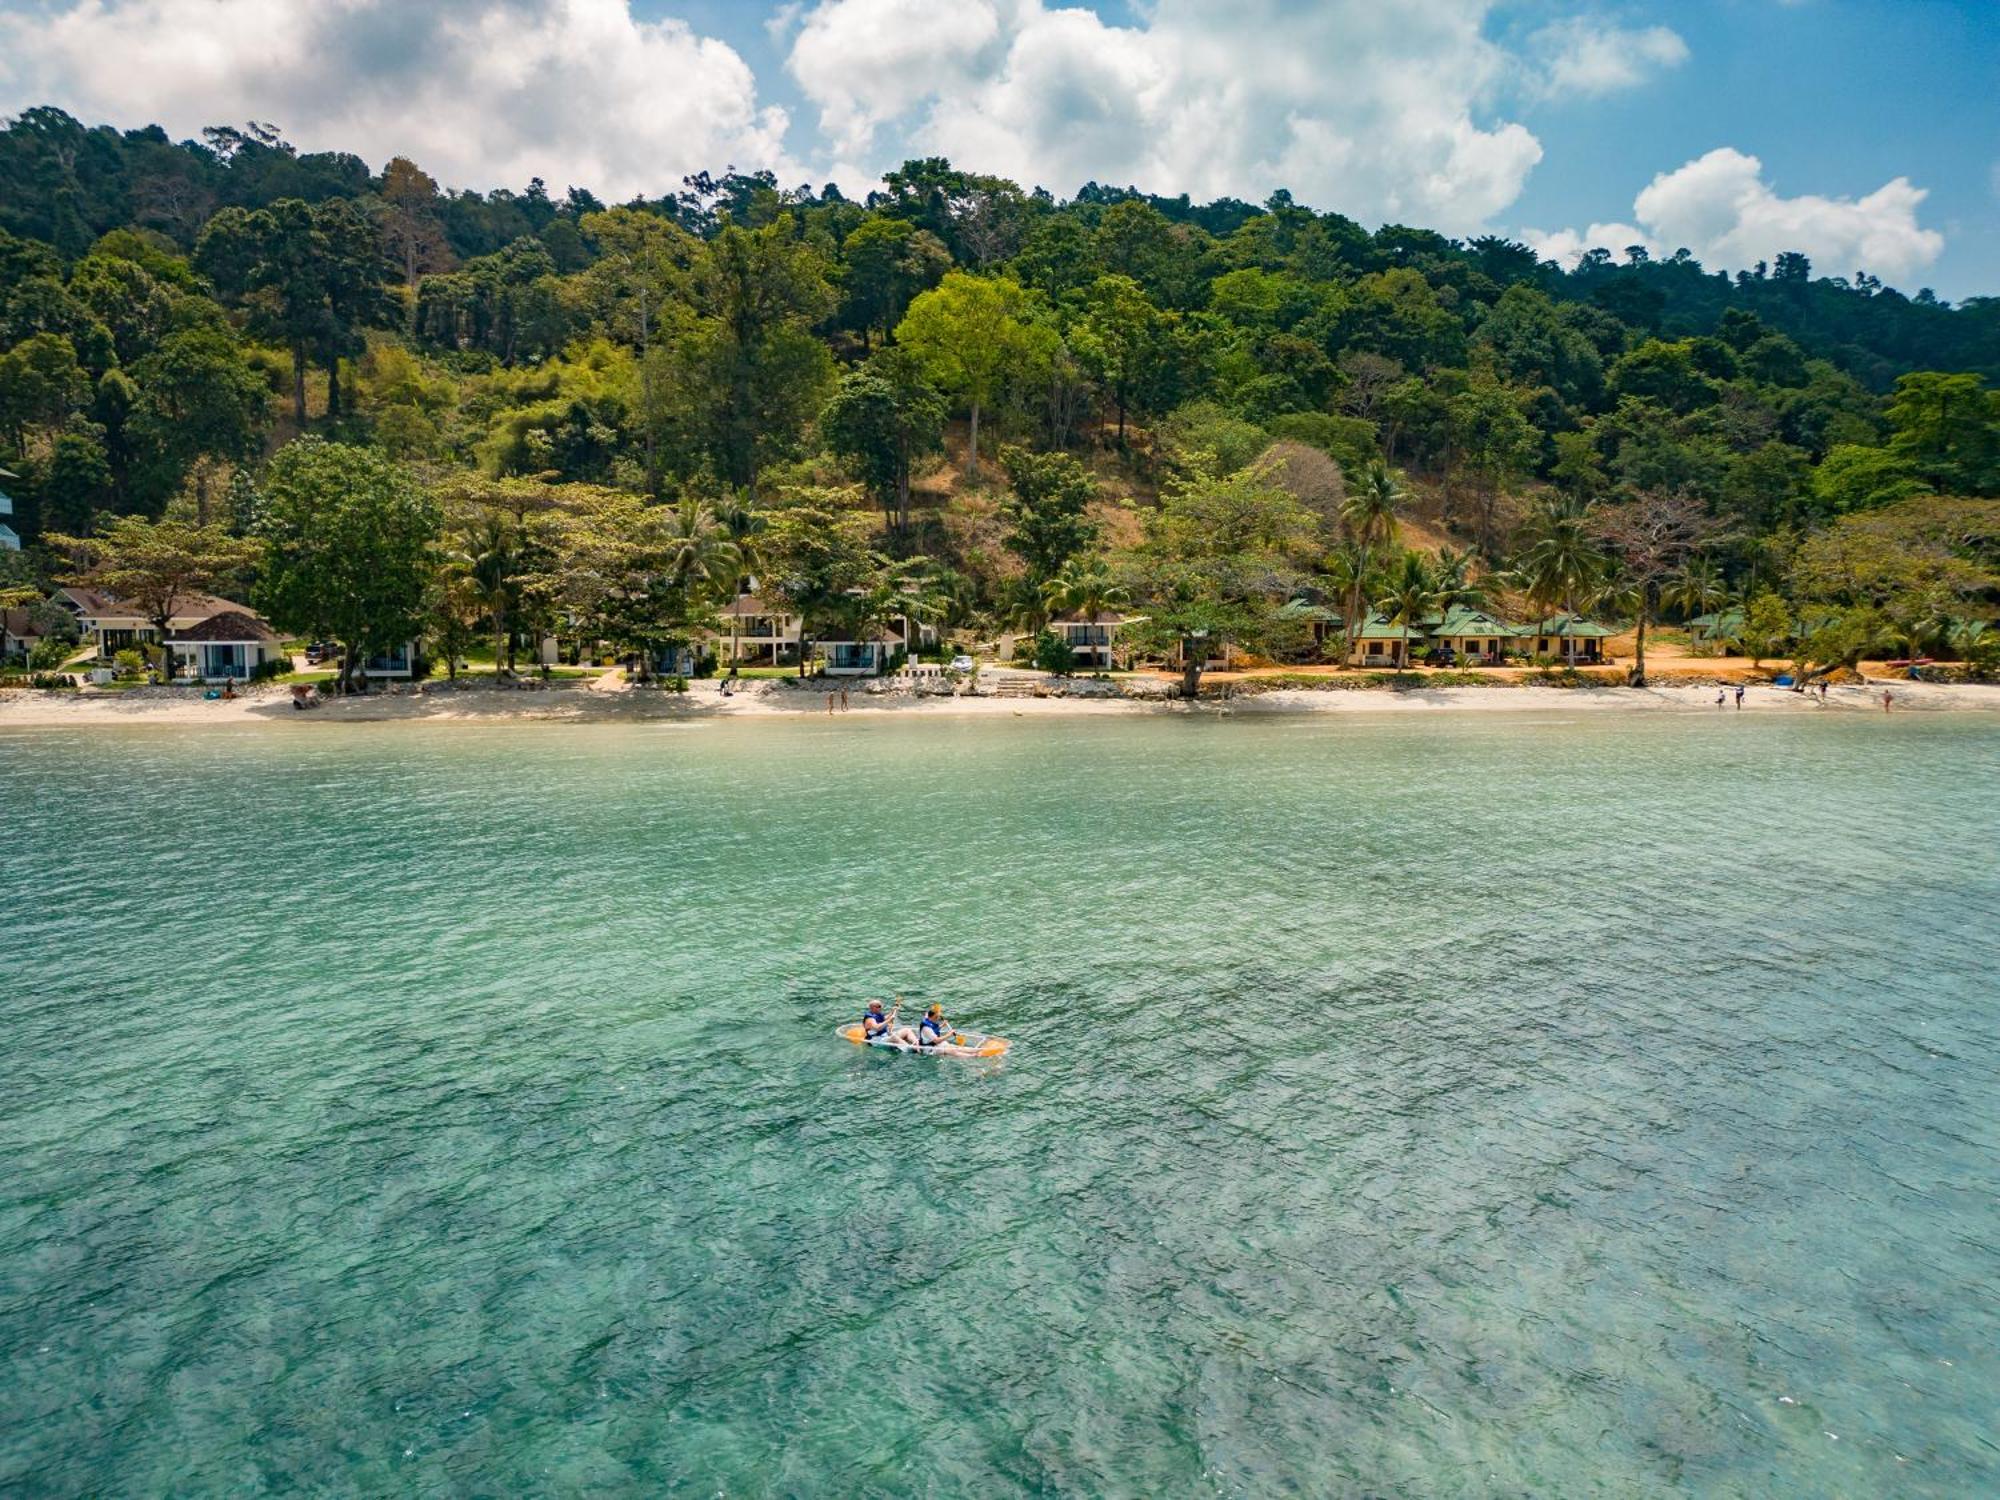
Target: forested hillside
<point x="959" y="399"/>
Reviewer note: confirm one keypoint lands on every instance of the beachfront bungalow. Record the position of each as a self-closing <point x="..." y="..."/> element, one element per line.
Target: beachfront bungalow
<point x="229" y="646"/>
<point x="10" y="539"/>
<point x="114" y="625"/>
<point x="1572" y="638"/>
<point x="1471" y="635"/>
<point x="1319" y="621"/>
<point x="399" y="663"/>
<point x="1378" y="643"/>
<point x="1091" y="637"/>
<point x="18" y="635"/>
<point x="867" y="655"/>
<point x="759" y="632"/>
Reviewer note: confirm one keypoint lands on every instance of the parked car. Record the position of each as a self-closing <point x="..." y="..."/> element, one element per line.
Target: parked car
<point x="961" y="663"/>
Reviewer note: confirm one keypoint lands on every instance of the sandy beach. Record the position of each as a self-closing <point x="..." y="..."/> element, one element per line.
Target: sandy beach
<point x="607" y="700"/>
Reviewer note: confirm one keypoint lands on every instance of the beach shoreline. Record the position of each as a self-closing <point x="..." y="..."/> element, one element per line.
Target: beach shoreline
<point x="579" y="702"/>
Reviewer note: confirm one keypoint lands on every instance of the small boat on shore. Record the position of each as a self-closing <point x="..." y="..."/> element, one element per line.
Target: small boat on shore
<point x="982" y="1046"/>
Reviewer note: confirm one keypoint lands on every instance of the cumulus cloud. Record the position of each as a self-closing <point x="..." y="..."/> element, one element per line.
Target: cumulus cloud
<point x="481" y="93"/>
<point x="1383" y="112"/>
<point x="1720" y="207"/>
<point x="1588" y="56"/>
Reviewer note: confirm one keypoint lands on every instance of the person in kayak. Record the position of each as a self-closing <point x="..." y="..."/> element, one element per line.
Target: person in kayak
<point x="934" y="1034"/>
<point x="874" y="1024"/>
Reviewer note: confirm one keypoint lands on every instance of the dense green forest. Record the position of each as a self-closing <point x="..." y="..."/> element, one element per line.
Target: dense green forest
<point x="380" y="406"/>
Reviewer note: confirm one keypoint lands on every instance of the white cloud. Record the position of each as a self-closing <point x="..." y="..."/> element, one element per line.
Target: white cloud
<point x="864" y="62"/>
<point x="1720" y="207"/>
<point x="1585" y="55"/>
<point x="1379" y="111"/>
<point x="481" y="93"/>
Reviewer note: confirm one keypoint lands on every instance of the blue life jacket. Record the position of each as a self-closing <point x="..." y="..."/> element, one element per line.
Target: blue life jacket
<point x="932" y="1030"/>
<point x="873" y="1023"/>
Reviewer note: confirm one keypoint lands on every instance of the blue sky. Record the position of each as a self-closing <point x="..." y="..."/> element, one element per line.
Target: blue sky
<point x="1865" y="132"/>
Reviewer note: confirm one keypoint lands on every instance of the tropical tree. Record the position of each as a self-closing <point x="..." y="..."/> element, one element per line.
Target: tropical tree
<point x="1086" y="587"/>
<point x="311" y="275"/>
<point x="350" y="549"/>
<point x="1695" y="588"/>
<point x="1409" y="595"/>
<point x="1048" y="510"/>
<point x="200" y="403"/>
<point x="1977" y="644"/>
<point x="1368" y="520"/>
<point x="486" y="552"/>
<point x="1653" y="536"/>
<point x="701" y="557"/>
<point x="1456" y="584"/>
<point x="1561" y="560"/>
<point x="972" y="335"/>
<point x="816" y="561"/>
<point x="883" y="419"/>
<point x="1767" y="626"/>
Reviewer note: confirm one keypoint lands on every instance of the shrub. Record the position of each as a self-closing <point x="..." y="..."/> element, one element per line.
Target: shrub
<point x="128" y="665"/>
<point x="48" y="653"/>
<point x="676" y="684"/>
<point x="264" y="671"/>
<point x="1054" y="654"/>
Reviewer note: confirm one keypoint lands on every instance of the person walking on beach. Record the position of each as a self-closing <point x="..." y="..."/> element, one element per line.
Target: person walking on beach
<point x="1720" y="696"/>
<point x="843" y="697"/>
<point x="1822" y="691"/>
<point x="1887" y="698"/>
<point x="1739" y="696"/>
<point x="829" y="705"/>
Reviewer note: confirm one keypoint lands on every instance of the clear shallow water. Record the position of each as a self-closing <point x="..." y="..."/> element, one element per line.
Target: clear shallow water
<point x="1456" y="1106"/>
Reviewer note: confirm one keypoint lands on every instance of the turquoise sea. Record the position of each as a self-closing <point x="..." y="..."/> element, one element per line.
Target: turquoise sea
<point x="1463" y="1105"/>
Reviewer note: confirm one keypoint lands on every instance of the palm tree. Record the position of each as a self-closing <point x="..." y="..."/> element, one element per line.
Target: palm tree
<point x="698" y="560"/>
<point x="488" y="555"/>
<point x="1352" y="570"/>
<point x="1562" y="560"/>
<point x="1456" y="585"/>
<point x="746" y="529"/>
<point x="1368" y="516"/>
<point x="1022" y="607"/>
<point x="1696" y="588"/>
<point x="907" y="590"/>
<point x="1974" y="641"/>
<point x="1410" y="594"/>
<point x="1085" y="586"/>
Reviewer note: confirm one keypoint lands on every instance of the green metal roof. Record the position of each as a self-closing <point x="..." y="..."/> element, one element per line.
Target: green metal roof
<point x="1710" y="627"/>
<point x="1378" y="628"/>
<point x="1575" y="627"/>
<point x="1302" y="609"/>
<point x="1463" y="620"/>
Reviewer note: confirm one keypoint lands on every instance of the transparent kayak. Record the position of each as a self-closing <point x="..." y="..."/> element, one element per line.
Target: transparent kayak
<point x="981" y="1045"/>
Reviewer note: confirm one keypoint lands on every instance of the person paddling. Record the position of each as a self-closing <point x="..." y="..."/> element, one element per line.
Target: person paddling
<point x="934" y="1034"/>
<point x="875" y="1025"/>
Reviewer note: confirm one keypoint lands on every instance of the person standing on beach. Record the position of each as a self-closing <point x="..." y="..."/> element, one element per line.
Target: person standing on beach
<point x="1739" y="696"/>
<point x="1720" y="696"/>
<point x="1887" y="698"/>
<point x="843" y="697"/>
<point x="1822" y="691"/>
<point x="829" y="705"/>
